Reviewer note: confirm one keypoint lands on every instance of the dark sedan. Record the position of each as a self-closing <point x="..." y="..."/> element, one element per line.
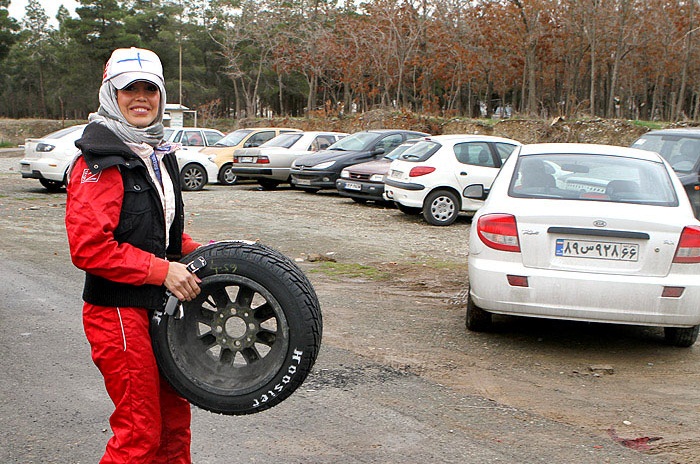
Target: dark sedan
<point x="320" y="170"/>
<point x="681" y="148"/>
<point x="365" y="181"/>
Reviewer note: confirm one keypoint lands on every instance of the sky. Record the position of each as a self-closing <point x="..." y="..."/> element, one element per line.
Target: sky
<point x="16" y="8"/>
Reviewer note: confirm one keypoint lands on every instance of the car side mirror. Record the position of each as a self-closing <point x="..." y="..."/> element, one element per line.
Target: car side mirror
<point x="378" y="151"/>
<point x="475" y="192"/>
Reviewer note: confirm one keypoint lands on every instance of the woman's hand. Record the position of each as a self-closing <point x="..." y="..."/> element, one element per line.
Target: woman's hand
<point x="181" y="282"/>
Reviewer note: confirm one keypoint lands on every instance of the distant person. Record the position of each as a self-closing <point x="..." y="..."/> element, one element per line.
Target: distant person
<point x="125" y="225"/>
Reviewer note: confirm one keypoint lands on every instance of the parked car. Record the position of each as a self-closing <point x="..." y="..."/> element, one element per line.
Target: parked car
<point x="608" y="236"/>
<point x="271" y="162"/>
<point x="681" y="148"/>
<point x="365" y="181"/>
<point x="320" y="170"/>
<point x="224" y="148"/>
<point x="47" y="158"/>
<point x="196" y="169"/>
<point x="192" y="138"/>
<point x="430" y="177"/>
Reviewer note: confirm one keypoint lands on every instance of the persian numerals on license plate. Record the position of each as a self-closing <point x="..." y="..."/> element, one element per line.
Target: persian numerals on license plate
<point x="352" y="186"/>
<point x="597" y="250"/>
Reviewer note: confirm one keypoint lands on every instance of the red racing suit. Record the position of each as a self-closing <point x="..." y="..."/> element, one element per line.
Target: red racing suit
<point x="151" y="423"/>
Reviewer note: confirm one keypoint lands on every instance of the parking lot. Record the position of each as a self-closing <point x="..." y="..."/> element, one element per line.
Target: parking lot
<point x="399" y="379"/>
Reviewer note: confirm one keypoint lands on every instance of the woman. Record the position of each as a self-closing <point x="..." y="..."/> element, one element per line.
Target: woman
<point x="125" y="225"/>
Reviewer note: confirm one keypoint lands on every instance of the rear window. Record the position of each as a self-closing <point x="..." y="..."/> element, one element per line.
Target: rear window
<point x="283" y="140"/>
<point x="421" y="151"/>
<point x="63" y="132"/>
<point x="682" y="152"/>
<point x="592" y="177"/>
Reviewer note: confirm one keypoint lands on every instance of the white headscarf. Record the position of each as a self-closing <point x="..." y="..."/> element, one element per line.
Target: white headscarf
<point x="111" y="116"/>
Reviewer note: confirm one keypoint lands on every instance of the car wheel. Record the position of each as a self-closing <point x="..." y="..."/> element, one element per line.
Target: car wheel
<point x="268" y="184"/>
<point x="226" y="176"/>
<point x="441" y="208"/>
<point x="407" y="209"/>
<point x="52" y="185"/>
<point x="681" y="336"/>
<point x="478" y="320"/>
<point x="250" y="338"/>
<point x="193" y="177"/>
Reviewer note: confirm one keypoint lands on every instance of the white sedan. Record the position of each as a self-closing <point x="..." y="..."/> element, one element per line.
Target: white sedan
<point x="48" y="158"/>
<point x="587" y="233"/>
<point x="270" y="163"/>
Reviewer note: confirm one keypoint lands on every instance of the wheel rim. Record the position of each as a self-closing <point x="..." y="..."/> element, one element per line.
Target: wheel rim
<point x="233" y="337"/>
<point x="229" y="176"/>
<point x="193" y="178"/>
<point x="442" y="208"/>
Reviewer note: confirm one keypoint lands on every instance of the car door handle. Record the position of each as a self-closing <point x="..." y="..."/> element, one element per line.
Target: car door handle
<point x="462" y="173"/>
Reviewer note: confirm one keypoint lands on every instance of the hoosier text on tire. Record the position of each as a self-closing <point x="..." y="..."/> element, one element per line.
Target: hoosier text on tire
<point x="249" y="339"/>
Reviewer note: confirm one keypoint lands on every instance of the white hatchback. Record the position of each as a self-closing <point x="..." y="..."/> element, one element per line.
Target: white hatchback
<point x="431" y="176"/>
<point x="587" y="233"/>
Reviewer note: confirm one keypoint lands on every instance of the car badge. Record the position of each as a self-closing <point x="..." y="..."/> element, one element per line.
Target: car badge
<point x="600" y="223"/>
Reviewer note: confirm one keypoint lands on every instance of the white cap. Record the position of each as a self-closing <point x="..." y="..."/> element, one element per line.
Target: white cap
<point x="127" y="65"/>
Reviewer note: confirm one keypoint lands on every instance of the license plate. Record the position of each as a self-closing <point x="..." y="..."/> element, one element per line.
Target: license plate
<point x="396" y="174"/>
<point x="597" y="250"/>
<point x="245" y="159"/>
<point x="303" y="182"/>
<point x="25" y="168"/>
<point x="352" y="186"/>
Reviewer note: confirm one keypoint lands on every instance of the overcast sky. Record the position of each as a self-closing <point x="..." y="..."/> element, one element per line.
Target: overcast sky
<point x="16" y="8"/>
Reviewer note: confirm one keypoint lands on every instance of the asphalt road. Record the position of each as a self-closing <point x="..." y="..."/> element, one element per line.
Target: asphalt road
<point x="53" y="407"/>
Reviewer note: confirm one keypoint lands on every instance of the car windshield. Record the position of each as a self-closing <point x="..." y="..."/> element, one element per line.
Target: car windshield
<point x="593" y="177"/>
<point x="167" y="133"/>
<point x="682" y="152"/>
<point x="234" y="138"/>
<point x="283" y="140"/>
<point x="421" y="151"/>
<point x="358" y="141"/>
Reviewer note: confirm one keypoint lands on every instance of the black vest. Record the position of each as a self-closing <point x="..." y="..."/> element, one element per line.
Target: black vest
<point x="141" y="222"/>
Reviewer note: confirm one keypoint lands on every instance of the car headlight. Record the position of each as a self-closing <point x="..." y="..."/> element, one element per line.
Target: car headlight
<point x="44" y="147"/>
<point x="345" y="174"/>
<point x="377" y="178"/>
<point x="325" y="165"/>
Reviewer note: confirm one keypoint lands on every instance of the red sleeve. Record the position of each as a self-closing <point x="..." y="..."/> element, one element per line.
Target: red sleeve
<point x="93" y="206"/>
<point x="188" y="244"/>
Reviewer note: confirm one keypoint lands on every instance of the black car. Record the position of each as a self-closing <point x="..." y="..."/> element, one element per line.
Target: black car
<point x="681" y="148"/>
<point x="320" y="170"/>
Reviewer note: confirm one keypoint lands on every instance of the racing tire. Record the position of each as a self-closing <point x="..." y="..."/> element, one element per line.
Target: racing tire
<point x="249" y="339"/>
<point x="477" y="319"/>
<point x="682" y="337"/>
<point x="441" y="208"/>
<point x="226" y="176"/>
<point x="193" y="177"/>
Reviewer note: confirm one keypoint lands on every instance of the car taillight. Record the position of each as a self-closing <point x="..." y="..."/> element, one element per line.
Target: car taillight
<point x="263" y="160"/>
<point x="44" y="147"/>
<point x="499" y="231"/>
<point x="688" y="250"/>
<point x="420" y="171"/>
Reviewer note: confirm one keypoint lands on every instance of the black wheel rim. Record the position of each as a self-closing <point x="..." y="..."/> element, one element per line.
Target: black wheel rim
<point x="232" y="338"/>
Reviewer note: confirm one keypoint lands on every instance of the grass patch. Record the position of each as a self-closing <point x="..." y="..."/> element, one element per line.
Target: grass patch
<point x="350" y="270"/>
<point x="651" y="125"/>
<point x="4" y="144"/>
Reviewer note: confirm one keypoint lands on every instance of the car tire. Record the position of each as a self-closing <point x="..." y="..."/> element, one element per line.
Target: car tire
<point x="477" y="319"/>
<point x="268" y="184"/>
<point x="441" y="208"/>
<point x="683" y="337"/>
<point x="226" y="176"/>
<point x="410" y="210"/>
<point x="250" y="338"/>
<point x="52" y="186"/>
<point x="193" y="177"/>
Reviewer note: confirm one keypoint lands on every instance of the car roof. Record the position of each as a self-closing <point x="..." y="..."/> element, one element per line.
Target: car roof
<point x="470" y="138"/>
<point x="592" y="148"/>
<point x="684" y="131"/>
<point x="382" y="131"/>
